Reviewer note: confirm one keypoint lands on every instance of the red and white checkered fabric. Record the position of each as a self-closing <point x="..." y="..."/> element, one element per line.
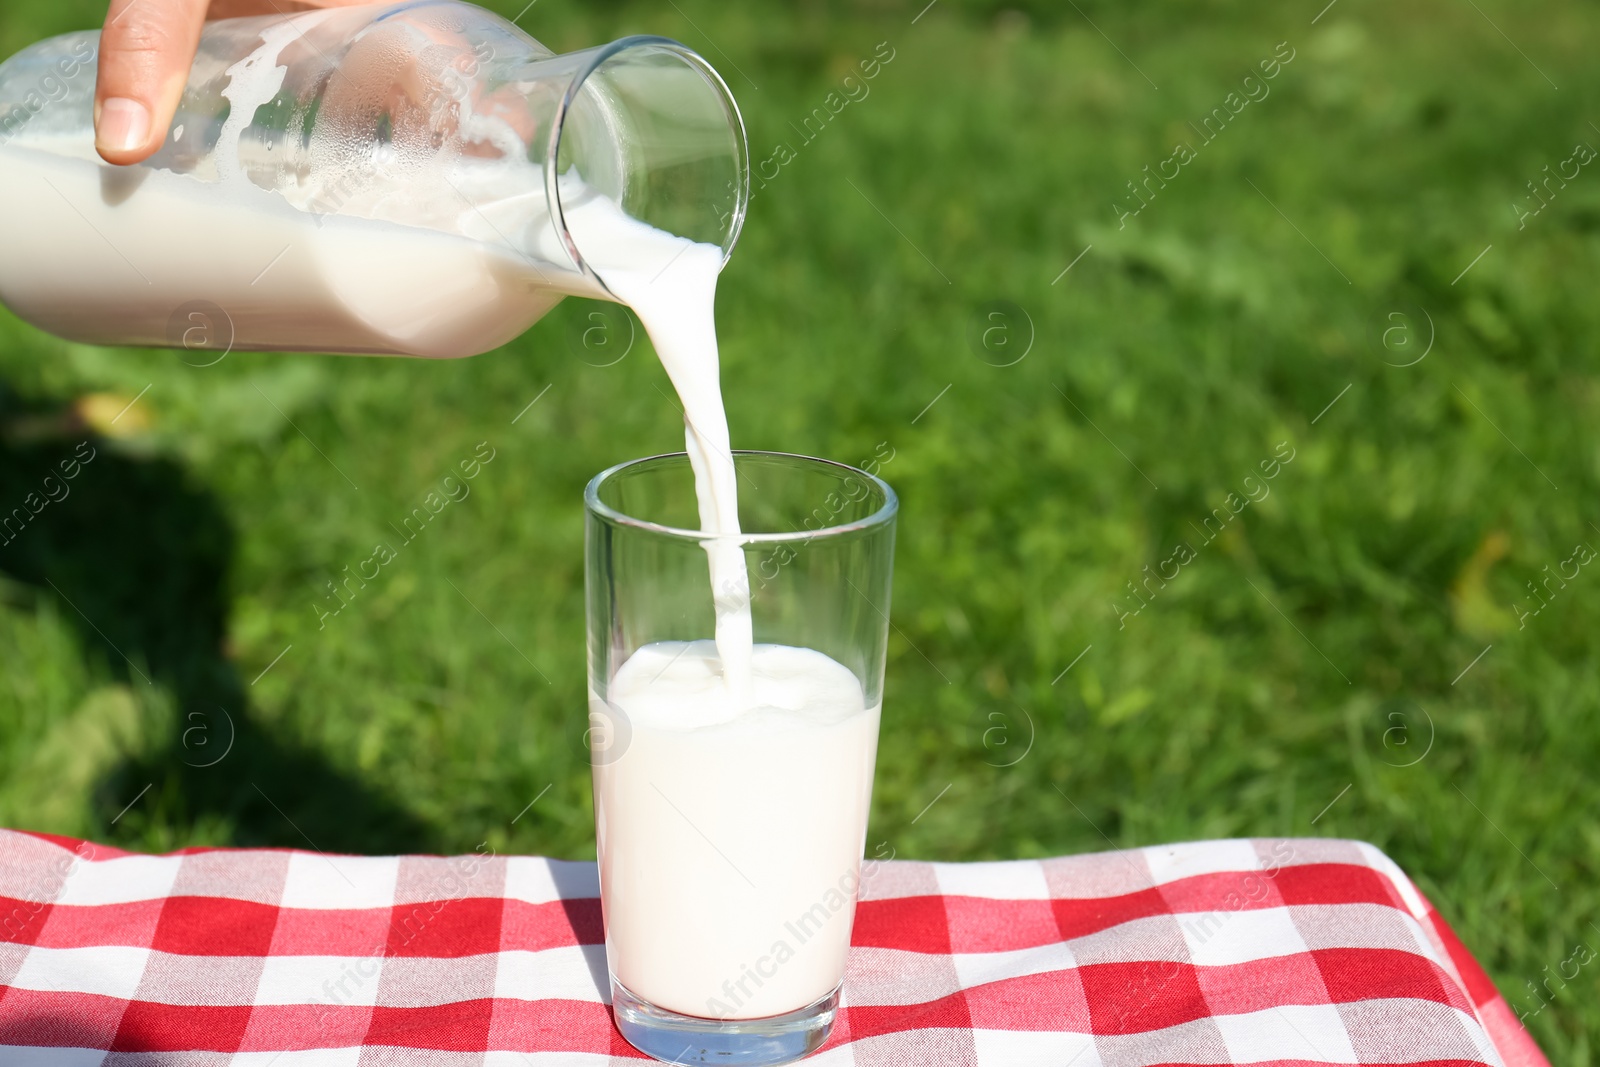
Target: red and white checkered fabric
<point x="1282" y="952"/>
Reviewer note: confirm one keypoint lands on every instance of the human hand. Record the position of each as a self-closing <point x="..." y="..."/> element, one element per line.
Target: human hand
<point x="146" y="50"/>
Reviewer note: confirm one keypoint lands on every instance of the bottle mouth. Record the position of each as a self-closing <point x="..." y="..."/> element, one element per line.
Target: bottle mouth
<point x="648" y="124"/>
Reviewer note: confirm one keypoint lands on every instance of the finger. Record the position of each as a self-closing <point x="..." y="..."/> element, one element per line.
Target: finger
<point x="146" y="50"/>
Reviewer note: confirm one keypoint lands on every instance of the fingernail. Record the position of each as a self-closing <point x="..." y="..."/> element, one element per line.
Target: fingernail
<point x="124" y="125"/>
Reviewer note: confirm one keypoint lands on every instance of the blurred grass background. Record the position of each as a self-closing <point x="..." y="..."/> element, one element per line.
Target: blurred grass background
<point x="1347" y="659"/>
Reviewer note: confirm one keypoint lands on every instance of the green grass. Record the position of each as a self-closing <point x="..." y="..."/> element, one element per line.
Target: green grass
<point x="1320" y="643"/>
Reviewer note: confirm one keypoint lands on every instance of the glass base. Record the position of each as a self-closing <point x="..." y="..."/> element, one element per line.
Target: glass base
<point x="684" y="1039"/>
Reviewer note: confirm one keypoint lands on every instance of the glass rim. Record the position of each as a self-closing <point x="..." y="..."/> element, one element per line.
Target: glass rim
<point x="881" y="517"/>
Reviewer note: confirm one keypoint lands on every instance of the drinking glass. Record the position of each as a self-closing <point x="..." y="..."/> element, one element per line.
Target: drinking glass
<point x="730" y="848"/>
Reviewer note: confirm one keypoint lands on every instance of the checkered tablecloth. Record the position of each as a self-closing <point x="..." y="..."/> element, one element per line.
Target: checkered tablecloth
<point x="1283" y="952"/>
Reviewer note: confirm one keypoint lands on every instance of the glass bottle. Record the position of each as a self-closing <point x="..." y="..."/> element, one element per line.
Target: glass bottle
<point x="416" y="179"/>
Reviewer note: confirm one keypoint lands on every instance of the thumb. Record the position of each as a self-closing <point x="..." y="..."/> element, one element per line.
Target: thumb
<point x="146" y="50"/>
